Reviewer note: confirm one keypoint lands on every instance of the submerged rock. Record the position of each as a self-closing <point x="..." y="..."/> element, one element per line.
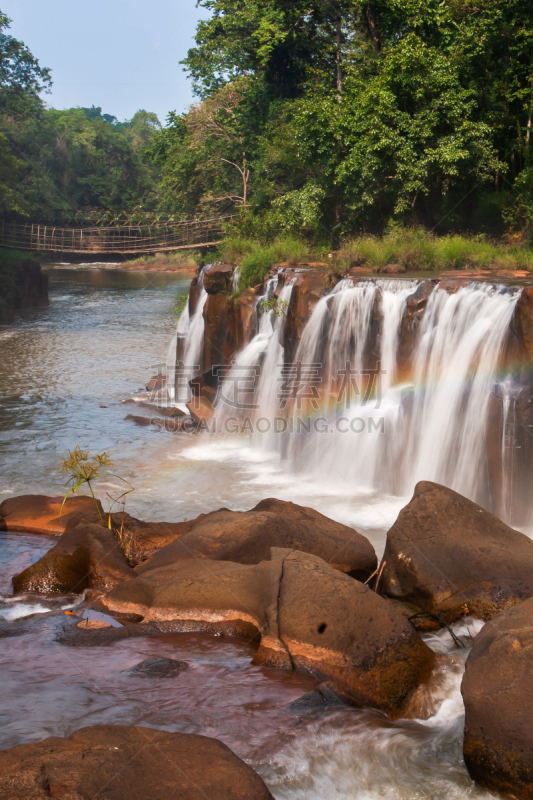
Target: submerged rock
<point x="88" y="556"/>
<point x="247" y="536"/>
<point x="117" y="761"/>
<point x="158" y="668"/>
<point x="497" y="691"/>
<point x="36" y="513"/>
<point x="306" y="615"/>
<point x="447" y="555"/>
<point x="324" y="696"/>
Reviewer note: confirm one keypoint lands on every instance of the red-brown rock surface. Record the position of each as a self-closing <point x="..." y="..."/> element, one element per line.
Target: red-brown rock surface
<point x="497" y="691"/>
<point x="36" y="513"/>
<point x="88" y="556"/>
<point x="447" y="555"/>
<point x="217" y="278"/>
<point x="307" y="616"/>
<point x="247" y="536"/>
<point x="117" y="762"/>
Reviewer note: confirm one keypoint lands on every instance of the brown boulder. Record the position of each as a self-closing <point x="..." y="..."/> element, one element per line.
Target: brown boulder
<point x="36" y="513"/>
<point x="217" y="278"/>
<point x="308" y="617"/>
<point x="247" y="536"/>
<point x="141" y="540"/>
<point x="117" y="761"/>
<point x="497" y="689"/>
<point x="448" y="555"/>
<point x="88" y="556"/>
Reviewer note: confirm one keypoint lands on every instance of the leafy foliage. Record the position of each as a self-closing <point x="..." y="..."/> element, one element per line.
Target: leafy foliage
<point x="53" y="162"/>
<point x="84" y="471"/>
<point x="355" y="114"/>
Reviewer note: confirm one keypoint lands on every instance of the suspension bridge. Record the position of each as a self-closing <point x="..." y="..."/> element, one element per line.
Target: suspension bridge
<point x="120" y="239"/>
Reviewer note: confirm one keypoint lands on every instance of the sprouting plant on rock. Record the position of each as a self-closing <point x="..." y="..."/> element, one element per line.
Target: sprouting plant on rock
<point x="276" y="307"/>
<point x="180" y="305"/>
<point x="85" y="470"/>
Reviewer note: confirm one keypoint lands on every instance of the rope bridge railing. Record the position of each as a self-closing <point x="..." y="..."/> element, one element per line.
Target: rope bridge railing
<point x="121" y="239"/>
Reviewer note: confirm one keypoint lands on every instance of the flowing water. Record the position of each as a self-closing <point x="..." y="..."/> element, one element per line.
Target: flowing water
<point x="71" y="372"/>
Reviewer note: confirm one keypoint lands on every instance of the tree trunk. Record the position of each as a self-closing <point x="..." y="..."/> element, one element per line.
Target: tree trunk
<point x="528" y="129"/>
<point x="245" y="176"/>
<point x="373" y="28"/>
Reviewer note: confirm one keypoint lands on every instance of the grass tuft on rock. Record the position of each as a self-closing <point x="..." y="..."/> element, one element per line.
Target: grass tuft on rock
<point x="258" y="259"/>
<point x="417" y="249"/>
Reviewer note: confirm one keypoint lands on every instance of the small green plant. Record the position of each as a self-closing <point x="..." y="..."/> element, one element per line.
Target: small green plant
<point x="277" y="308"/>
<point x="180" y="307"/>
<point x="84" y="470"/>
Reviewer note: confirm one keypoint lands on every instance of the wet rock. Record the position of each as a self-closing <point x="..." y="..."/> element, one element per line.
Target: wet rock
<point x="448" y="555"/>
<point x="525" y="315"/>
<point x="141" y="540"/>
<point x="169" y="424"/>
<point x="116" y="762"/>
<point x="217" y="278"/>
<point x="247" y="303"/>
<point x="307" y="615"/>
<point x="309" y="287"/>
<point x="324" y="696"/>
<point x="215" y="326"/>
<point x="408" y="333"/>
<point x="391" y="269"/>
<point x="158" y="668"/>
<point x="88" y="556"/>
<point x="497" y="689"/>
<point x="201" y="409"/>
<point x="512" y="273"/>
<point x="156" y="383"/>
<point x="36" y="513"/>
<point x="247" y="536"/>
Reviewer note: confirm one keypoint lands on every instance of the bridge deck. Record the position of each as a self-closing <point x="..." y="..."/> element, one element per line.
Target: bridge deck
<point x="120" y="240"/>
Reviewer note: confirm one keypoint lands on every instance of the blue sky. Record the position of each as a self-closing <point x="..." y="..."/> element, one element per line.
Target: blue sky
<point x="121" y="55"/>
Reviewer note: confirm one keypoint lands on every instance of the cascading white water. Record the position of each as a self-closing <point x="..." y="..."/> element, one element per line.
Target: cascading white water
<point x="431" y="429"/>
<point x="258" y="365"/>
<point x="394" y="296"/>
<point x="456" y="366"/>
<point x="235" y="279"/>
<point x="194" y="343"/>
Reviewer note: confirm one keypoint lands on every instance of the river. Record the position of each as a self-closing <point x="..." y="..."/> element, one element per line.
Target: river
<point x="69" y="374"/>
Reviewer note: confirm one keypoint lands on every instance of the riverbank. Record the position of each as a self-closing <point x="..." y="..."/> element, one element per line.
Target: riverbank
<point x="400" y="251"/>
<point x="22" y="284"/>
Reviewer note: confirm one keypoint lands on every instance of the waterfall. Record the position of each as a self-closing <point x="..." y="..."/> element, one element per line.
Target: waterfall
<point x="252" y="382"/>
<point x="456" y="370"/>
<point x="394" y="392"/>
<point x="194" y="343"/>
<point x="235" y="279"/>
<point x="433" y="427"/>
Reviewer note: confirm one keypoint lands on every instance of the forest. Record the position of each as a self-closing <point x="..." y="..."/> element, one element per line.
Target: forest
<point x="321" y="118"/>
